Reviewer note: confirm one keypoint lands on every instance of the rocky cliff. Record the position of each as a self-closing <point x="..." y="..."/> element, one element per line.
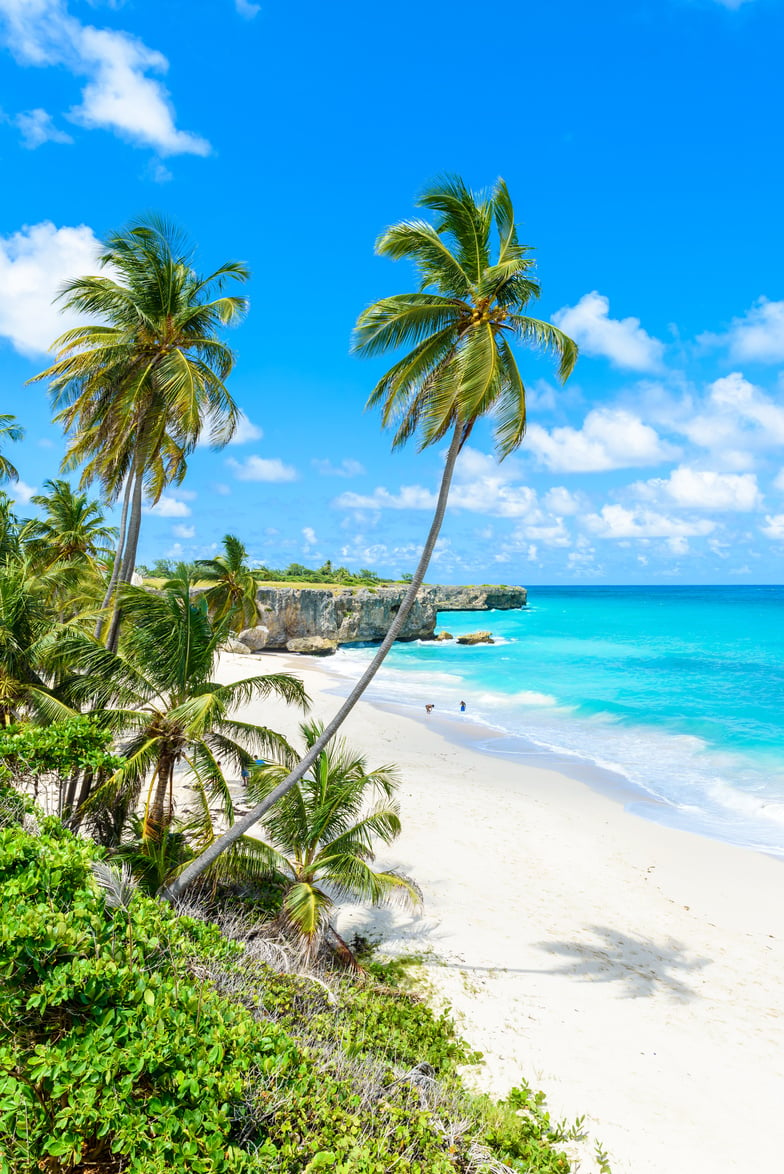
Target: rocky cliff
<point x="292" y="617"/>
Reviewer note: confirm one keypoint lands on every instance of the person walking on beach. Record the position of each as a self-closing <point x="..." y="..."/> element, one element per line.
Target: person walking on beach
<point x="429" y="708"/>
<point x="462" y="706"/>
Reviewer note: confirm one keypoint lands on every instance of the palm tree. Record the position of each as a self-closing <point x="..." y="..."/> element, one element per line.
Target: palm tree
<point x="9" y="430"/>
<point x="10" y="527"/>
<point x="72" y="529"/>
<point x="136" y="389"/>
<point x="158" y="695"/>
<point x="232" y="590"/>
<point x="28" y="623"/>
<point x="321" y="834"/>
<point x="460" y="325"/>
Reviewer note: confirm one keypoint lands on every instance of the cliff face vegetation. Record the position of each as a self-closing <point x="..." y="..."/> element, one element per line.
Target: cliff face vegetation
<point x="312" y="619"/>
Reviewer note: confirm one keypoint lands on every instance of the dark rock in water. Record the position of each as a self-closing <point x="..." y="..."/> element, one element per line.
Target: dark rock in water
<point x="313" y="645"/>
<point x="344" y="616"/>
<point x="476" y="638"/>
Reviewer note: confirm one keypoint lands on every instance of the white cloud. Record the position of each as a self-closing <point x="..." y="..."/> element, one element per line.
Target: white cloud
<point x="561" y="501"/>
<point x="481" y="486"/>
<point x="732" y="4"/>
<point x="246" y="432"/>
<point x="735" y="415"/>
<point x="118" y="95"/>
<point x="309" y="534"/>
<point x="221" y="488"/>
<point x="551" y="532"/>
<point x="255" y="468"/>
<point x="34" y="263"/>
<point x="703" y="489"/>
<point x="248" y="10"/>
<point x="410" y="497"/>
<point x="774" y="527"/>
<point x="610" y="438"/>
<point x="778" y="481"/>
<point x="38" y="128"/>
<point x="615" y="521"/>
<point x="184" y="531"/>
<point x="21" y="493"/>
<point x="757" y="337"/>
<point x="170" y="507"/>
<point x="347" y="468"/>
<point x="622" y="341"/>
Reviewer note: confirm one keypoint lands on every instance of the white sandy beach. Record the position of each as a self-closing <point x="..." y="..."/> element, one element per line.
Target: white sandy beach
<point x="631" y="971"/>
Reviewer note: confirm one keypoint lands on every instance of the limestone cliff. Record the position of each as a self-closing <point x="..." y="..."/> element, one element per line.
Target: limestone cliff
<point x="290" y="615"/>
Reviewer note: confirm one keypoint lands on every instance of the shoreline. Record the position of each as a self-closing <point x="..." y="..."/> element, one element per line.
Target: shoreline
<point x="629" y="969"/>
<point x="478" y="735"/>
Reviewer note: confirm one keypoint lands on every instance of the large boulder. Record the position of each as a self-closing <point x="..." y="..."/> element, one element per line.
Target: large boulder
<point x="312" y="645"/>
<point x="476" y="638"/>
<point x="236" y="646"/>
<point x="254" y="638"/>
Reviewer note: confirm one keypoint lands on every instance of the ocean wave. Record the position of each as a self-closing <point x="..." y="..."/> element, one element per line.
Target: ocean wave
<point x="612" y="713"/>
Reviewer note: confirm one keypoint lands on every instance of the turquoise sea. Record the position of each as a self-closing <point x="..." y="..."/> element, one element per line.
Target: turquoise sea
<point x="679" y="691"/>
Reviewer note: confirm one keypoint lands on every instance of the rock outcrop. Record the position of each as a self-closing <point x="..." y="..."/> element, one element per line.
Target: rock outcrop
<point x="339" y="615"/>
<point x="313" y="645"/>
<point x="476" y="638"/>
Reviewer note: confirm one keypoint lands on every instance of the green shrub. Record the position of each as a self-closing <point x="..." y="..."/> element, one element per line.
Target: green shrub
<point x="121" y="1054"/>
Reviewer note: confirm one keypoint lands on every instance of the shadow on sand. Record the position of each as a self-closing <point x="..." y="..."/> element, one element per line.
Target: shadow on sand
<point x="642" y="966"/>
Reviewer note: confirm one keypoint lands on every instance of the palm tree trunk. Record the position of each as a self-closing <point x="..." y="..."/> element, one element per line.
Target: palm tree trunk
<point x="129" y="556"/>
<point x="238" y="829"/>
<point x="67" y="799"/>
<point x="118" y="558"/>
<point x="75" y="819"/>
<point x="159" y="812"/>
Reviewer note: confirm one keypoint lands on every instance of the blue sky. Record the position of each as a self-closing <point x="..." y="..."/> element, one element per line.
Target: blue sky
<point x="642" y="144"/>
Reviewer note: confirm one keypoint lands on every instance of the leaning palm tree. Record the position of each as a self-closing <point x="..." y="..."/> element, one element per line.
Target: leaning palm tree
<point x="460" y="325"/>
<point x="232" y="586"/>
<point x="321" y="835"/>
<point x="159" y="698"/>
<point x="136" y="388"/>
<point x="9" y="430"/>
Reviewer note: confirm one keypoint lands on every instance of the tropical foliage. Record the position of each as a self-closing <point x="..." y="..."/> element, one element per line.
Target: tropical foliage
<point x="58" y="764"/>
<point x="70" y="528"/>
<point x="231" y="593"/>
<point x="117" y="1057"/>
<point x="9" y="430"/>
<point x="136" y="387"/>
<point x="322" y="834"/>
<point x="159" y="698"/>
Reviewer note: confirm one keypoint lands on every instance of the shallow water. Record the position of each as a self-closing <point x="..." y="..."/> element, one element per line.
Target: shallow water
<point x="678" y="689"/>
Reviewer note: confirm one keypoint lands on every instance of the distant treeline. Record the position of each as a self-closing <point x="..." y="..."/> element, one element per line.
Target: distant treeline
<point x="164" y="568"/>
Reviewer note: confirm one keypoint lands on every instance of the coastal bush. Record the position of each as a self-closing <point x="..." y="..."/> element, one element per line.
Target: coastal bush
<point x="57" y="764"/>
<point x="136" y="1040"/>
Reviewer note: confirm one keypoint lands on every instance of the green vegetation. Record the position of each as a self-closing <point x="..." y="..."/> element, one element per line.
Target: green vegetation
<point x="322" y="833"/>
<point x="230" y="571"/>
<point x="139" y="1041"/>
<point x="135" y="390"/>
